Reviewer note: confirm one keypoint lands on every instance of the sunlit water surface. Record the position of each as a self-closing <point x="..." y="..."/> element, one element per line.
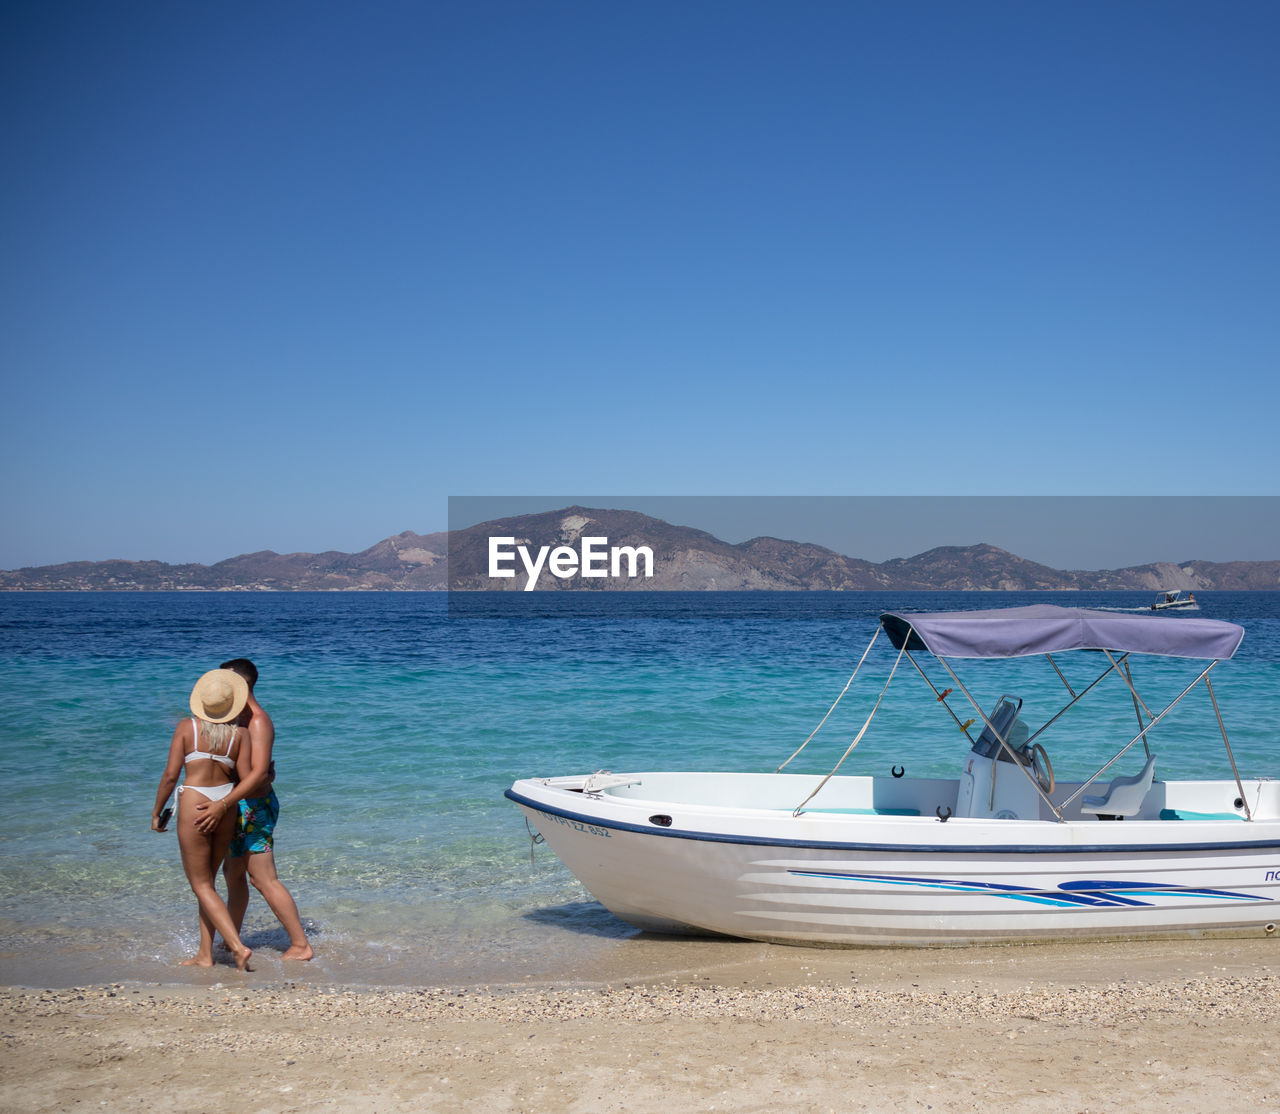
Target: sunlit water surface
<point x="399" y="727"/>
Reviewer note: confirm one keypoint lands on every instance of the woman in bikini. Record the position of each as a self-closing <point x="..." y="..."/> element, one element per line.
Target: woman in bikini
<point x="214" y="752"/>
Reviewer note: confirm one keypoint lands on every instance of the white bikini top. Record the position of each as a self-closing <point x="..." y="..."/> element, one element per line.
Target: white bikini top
<point x="225" y="759"/>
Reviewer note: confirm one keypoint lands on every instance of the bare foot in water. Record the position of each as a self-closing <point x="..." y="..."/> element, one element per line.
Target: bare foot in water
<point x="242" y="960"/>
<point x="198" y="961"/>
<point x="298" y="951"/>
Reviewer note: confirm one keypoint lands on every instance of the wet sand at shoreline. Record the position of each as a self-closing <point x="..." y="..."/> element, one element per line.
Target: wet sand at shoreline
<point x="698" y="1025"/>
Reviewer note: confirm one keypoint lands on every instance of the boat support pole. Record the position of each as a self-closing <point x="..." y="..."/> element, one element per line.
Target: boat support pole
<point x="1004" y="743"/>
<point x="942" y="698"/>
<point x="1138" y="705"/>
<point x="1141" y="735"/>
<point x="1060" y="675"/>
<point x="1248" y="815"/>
<point x="1075" y="699"/>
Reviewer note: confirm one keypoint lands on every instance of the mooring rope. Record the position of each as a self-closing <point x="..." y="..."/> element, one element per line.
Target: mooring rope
<point x="534" y="838"/>
<point x="858" y="738"/>
<point x="837" y="700"/>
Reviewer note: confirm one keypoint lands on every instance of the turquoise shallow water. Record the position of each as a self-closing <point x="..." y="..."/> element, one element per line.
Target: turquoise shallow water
<point x="400" y="725"/>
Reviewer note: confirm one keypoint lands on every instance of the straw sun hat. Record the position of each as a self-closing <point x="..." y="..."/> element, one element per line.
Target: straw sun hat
<point x="219" y="696"/>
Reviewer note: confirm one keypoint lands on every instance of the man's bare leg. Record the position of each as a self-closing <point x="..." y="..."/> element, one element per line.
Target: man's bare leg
<point x="262" y="873"/>
<point x="235" y="872"/>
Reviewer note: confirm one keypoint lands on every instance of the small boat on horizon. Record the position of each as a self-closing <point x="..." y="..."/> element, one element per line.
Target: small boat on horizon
<point x="1000" y="852"/>
<point x="1177" y="598"/>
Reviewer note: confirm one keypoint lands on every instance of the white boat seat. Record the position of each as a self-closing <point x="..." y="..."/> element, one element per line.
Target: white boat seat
<point x="1124" y="796"/>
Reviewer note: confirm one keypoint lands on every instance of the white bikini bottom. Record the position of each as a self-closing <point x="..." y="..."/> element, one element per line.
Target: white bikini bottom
<point x="213" y="792"/>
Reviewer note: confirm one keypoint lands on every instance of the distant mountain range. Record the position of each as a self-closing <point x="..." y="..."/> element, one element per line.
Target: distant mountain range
<point x="684" y="558"/>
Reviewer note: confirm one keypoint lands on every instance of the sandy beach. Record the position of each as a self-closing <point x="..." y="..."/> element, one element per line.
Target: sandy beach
<point x="1060" y="1027"/>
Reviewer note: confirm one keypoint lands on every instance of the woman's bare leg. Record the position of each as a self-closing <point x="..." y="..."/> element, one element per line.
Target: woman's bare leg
<point x="204" y="953"/>
<point x="201" y="858"/>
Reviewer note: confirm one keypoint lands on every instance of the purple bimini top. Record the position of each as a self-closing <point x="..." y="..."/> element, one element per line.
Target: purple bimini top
<point x="1015" y="632"/>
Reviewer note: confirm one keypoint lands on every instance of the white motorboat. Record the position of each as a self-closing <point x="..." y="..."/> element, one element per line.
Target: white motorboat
<point x="1000" y="852"/>
<point x="1177" y="598"/>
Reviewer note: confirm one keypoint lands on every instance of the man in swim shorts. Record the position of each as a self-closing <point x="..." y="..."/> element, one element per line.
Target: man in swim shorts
<point x="252" y="851"/>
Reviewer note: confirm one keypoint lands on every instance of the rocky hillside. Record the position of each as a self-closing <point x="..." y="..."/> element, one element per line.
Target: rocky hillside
<point x="684" y="558"/>
<point x="405" y="562"/>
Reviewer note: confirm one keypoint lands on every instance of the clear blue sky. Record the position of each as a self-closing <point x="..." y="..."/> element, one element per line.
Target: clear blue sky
<point x="285" y="276"/>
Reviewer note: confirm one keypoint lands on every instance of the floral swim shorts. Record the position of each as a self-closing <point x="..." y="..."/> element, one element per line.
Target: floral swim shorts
<point x="255" y="830"/>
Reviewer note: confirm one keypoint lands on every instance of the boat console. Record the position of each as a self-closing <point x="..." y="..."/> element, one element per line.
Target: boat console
<point x="992" y="786"/>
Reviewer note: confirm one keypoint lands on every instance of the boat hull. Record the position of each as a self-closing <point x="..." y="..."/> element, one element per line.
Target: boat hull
<point x="862" y="877"/>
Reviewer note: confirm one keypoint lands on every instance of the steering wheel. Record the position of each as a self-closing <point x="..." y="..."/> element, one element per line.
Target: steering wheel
<point x="1042" y="767"/>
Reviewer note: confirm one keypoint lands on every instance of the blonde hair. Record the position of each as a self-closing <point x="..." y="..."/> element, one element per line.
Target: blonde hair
<point x="220" y="736"/>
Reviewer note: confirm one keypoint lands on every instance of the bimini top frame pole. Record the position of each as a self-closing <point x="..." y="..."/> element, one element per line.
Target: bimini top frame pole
<point x="1141" y="735"/>
<point x="1076" y="697"/>
<point x="1248" y="813"/>
<point x="1044" y="629"/>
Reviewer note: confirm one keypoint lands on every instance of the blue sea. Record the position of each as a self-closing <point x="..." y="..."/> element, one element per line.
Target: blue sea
<point x="402" y="719"/>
